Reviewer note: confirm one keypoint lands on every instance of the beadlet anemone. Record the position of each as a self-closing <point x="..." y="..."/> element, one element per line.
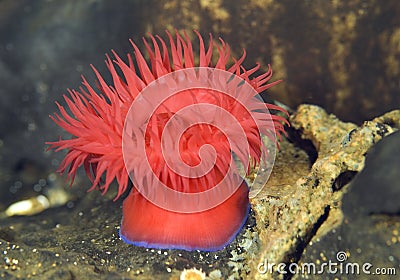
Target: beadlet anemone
<point x="177" y="126"/>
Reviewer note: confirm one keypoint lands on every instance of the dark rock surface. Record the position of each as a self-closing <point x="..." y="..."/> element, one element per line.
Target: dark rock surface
<point x="82" y="242"/>
<point x="376" y="190"/>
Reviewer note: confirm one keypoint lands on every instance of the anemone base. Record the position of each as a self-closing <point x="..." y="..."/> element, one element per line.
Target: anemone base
<point x="147" y="225"/>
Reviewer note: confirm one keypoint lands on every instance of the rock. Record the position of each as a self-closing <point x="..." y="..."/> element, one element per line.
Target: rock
<point x="369" y="235"/>
<point x="375" y="191"/>
<point x="288" y="223"/>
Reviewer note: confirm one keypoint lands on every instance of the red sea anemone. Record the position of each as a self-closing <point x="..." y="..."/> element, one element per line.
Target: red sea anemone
<point x="171" y="125"/>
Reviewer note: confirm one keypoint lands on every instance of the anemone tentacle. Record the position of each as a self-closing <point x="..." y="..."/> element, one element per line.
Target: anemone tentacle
<point x="96" y="117"/>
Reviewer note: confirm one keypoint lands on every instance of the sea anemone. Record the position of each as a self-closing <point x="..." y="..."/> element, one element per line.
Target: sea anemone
<point x="171" y="125"/>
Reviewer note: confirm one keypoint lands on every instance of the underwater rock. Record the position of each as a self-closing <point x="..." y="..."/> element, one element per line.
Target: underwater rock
<point x="288" y="223"/>
<point x="370" y="231"/>
<point x="376" y="189"/>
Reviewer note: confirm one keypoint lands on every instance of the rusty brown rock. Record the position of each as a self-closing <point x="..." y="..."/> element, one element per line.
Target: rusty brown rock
<point x="310" y="204"/>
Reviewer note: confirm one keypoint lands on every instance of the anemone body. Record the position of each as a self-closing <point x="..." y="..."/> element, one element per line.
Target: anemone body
<point x="96" y="120"/>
